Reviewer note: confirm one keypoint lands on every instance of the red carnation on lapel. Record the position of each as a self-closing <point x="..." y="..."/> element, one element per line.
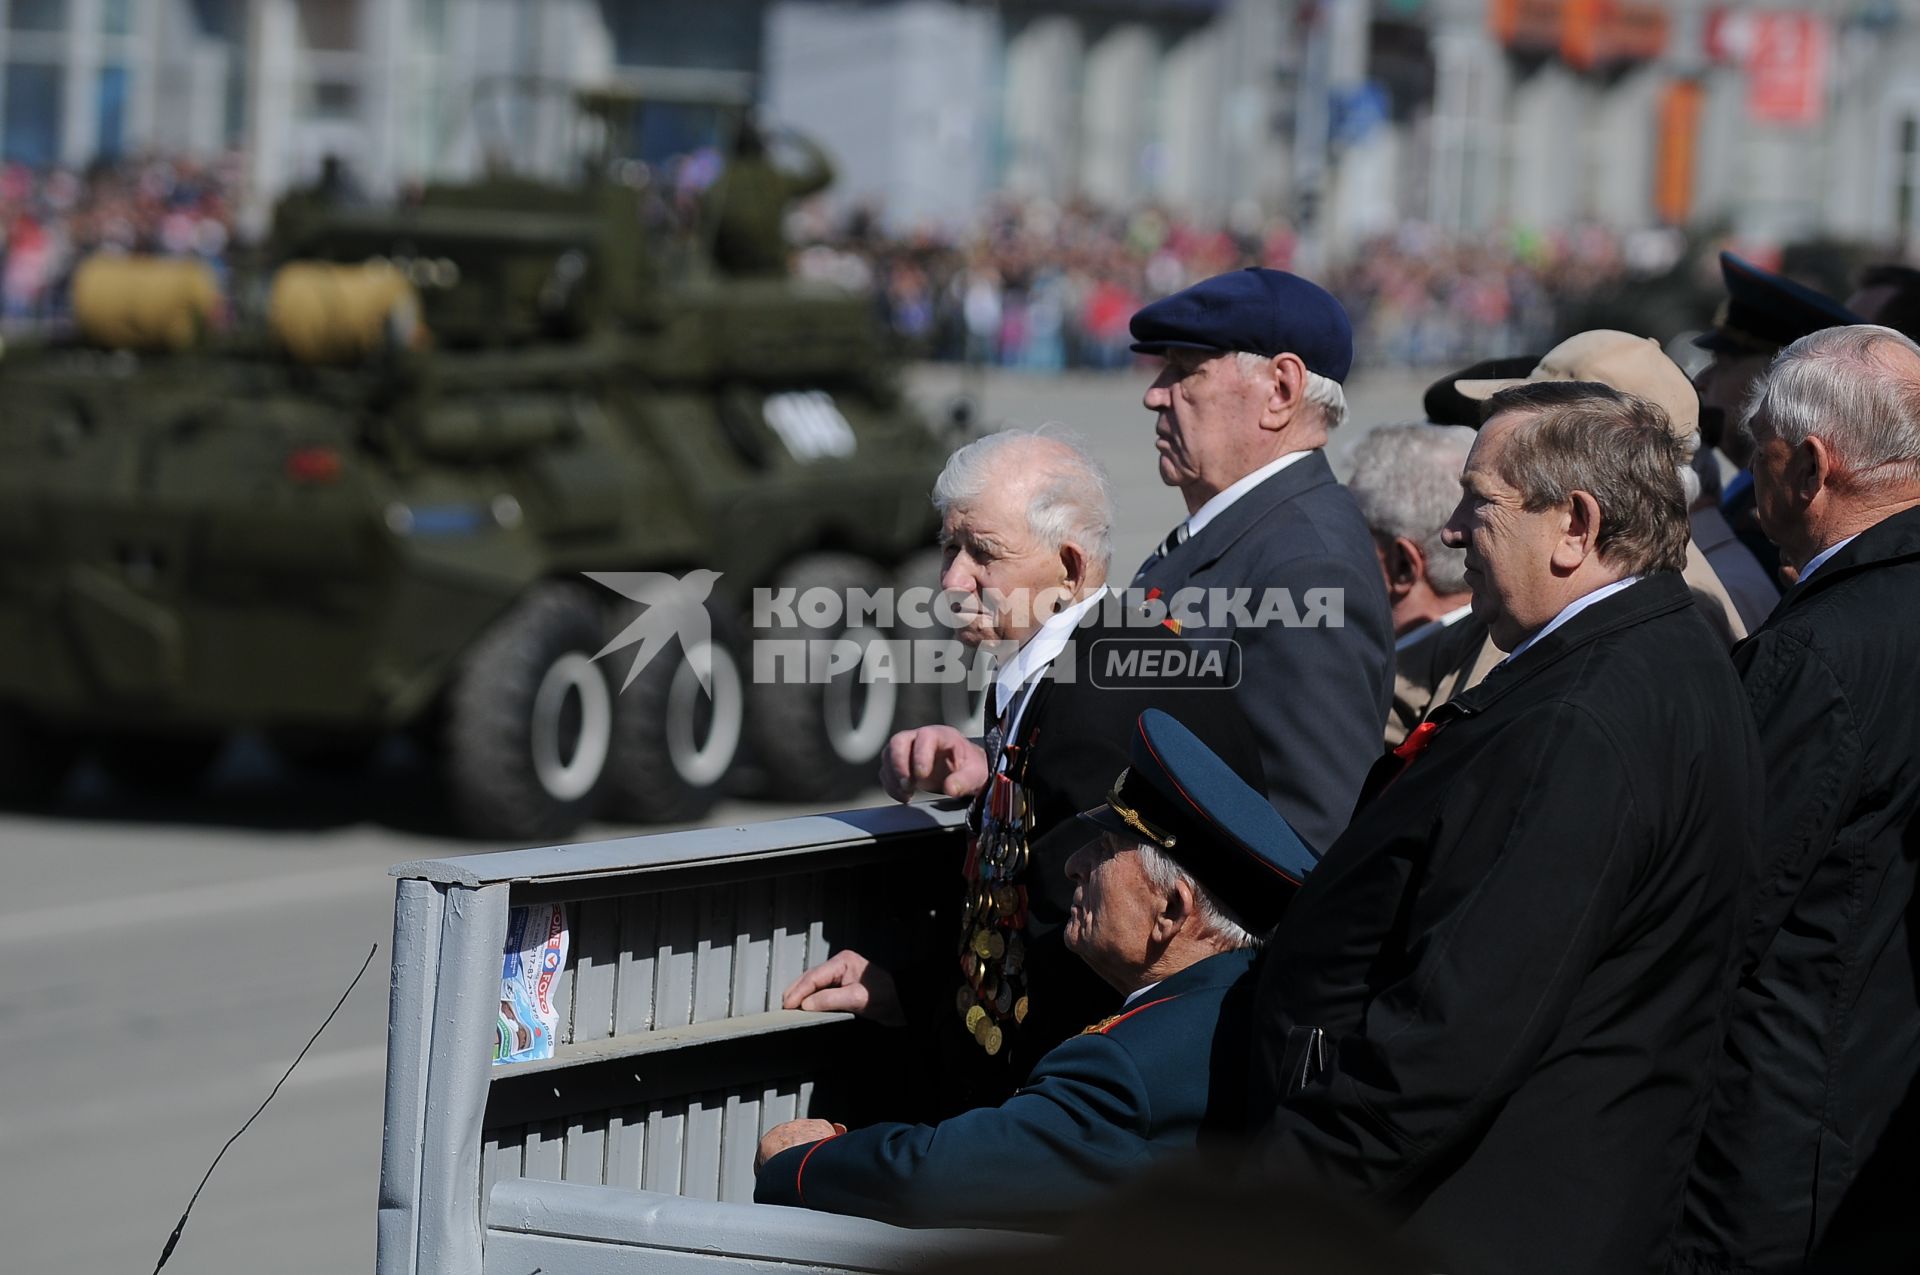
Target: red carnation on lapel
<point x="1416" y="743"/>
<point x="1153" y="595"/>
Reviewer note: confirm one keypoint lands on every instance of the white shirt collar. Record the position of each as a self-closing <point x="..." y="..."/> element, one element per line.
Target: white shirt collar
<point x="1574" y="608"/>
<point x="1039" y="651"/>
<point x="1820" y="559"/>
<point x="1137" y="993"/>
<point x="1431" y="627"/>
<point x="1206" y="513"/>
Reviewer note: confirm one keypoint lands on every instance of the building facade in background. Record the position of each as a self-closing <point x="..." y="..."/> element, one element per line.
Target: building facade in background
<point x="87" y="79"/>
<point x="401" y="90"/>
<point x="1347" y="117"/>
<point x="1777" y="121"/>
<point x="934" y="105"/>
<point x="1781" y="121"/>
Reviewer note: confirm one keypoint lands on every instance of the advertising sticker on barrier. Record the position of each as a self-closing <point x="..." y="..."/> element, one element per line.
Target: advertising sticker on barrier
<point x="535" y="953"/>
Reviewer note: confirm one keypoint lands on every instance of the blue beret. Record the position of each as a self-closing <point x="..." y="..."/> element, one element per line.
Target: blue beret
<point x="1265" y="312"/>
<point x="1765" y="311"/>
<point x="1179" y="795"/>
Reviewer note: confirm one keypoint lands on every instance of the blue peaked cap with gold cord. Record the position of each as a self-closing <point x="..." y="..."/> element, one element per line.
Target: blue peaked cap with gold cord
<point x="1264" y="312"/>
<point x="1179" y="795"/>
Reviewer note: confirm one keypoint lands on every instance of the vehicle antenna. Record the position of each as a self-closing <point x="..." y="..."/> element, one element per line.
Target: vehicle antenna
<point x="181" y="1225"/>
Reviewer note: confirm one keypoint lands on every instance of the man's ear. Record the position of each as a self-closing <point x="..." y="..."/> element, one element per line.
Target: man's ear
<point x="1177" y="909"/>
<point x="1812" y="468"/>
<point x="1074" y="563"/>
<point x="1406" y="567"/>
<point x="1287" y="391"/>
<point x="1580" y="533"/>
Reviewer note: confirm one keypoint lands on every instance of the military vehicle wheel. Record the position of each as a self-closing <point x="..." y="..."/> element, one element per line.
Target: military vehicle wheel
<point x="157" y="764"/>
<point x="820" y="738"/>
<point x="674" y="744"/>
<point x="530" y="720"/>
<point x="957" y="703"/>
<point x="34" y="761"/>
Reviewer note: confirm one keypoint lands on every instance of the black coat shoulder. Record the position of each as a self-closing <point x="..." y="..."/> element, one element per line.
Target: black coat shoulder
<point x="1077" y="731"/>
<point x="1805" y="1151"/>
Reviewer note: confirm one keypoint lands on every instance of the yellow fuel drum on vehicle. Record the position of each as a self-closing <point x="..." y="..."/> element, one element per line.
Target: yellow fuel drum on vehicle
<point x="144" y="303"/>
<point x="327" y="313"/>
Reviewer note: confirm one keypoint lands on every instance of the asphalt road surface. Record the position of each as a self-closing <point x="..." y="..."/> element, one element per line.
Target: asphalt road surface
<point x="170" y="957"/>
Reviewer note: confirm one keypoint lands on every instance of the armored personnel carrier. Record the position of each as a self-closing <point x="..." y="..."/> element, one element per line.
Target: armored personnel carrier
<point x="368" y="503"/>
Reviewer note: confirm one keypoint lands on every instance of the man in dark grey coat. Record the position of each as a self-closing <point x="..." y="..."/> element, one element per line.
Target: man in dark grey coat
<point x="1251" y="386"/>
<point x="1808" y="1149"/>
<point x="1493" y="1007"/>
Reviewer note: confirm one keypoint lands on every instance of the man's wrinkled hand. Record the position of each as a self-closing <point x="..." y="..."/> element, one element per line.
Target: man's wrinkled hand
<point x="932" y="759"/>
<point x="848" y="982"/>
<point x="793" y="1133"/>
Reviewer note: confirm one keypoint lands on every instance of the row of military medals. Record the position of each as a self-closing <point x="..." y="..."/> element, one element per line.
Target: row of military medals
<point x="994" y="919"/>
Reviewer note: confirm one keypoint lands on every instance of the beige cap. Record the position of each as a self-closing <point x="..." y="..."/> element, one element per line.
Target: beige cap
<point x="1628" y="363"/>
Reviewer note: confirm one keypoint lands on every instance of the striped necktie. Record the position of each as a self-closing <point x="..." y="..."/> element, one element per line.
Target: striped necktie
<point x="997" y="738"/>
<point x="995" y="743"/>
<point x="1175" y="538"/>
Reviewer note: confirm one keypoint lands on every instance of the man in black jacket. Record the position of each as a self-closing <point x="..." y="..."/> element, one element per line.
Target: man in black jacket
<point x="1817" y="1107"/>
<point x="1493" y="1006"/>
<point x="1025" y="521"/>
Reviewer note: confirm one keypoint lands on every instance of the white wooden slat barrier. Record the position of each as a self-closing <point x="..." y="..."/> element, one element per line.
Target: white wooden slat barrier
<point x="673" y="1055"/>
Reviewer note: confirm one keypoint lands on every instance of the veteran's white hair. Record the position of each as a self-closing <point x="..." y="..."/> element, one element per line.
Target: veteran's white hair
<point x="1073" y="503"/>
<point x="1406" y="480"/>
<point x="1837" y="383"/>
<point x="1218" y="919"/>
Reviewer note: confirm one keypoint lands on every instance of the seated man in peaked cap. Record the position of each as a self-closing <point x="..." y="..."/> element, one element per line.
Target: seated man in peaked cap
<point x="1189" y="868"/>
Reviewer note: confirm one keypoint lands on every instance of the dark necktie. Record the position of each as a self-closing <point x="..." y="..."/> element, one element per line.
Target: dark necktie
<point x="995" y="741"/>
<point x="1175" y="538"/>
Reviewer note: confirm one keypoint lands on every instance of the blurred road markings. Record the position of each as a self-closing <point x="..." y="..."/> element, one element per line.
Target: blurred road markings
<point x="192" y="904"/>
<point x="323" y="1069"/>
<point x="210" y="1099"/>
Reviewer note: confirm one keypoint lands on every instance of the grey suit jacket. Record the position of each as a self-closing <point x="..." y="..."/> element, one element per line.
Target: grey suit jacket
<point x="1316" y="694"/>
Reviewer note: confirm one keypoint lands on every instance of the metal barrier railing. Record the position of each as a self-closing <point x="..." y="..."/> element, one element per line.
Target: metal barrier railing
<point x="670" y="1054"/>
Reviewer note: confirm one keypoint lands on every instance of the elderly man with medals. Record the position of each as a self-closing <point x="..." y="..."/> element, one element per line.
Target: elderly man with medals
<point x="1026" y="520"/>
<point x="1187" y="866"/>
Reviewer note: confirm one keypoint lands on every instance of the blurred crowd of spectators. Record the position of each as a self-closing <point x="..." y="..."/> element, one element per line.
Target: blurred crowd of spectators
<point x="50" y="220"/>
<point x="1043" y="287"/>
<point x="1030" y="284"/>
